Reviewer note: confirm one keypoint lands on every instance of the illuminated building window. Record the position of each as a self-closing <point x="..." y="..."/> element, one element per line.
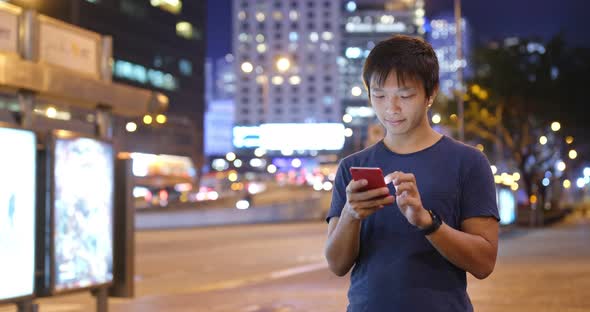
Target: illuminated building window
<point x="133" y="8"/>
<point x="172" y="6"/>
<point x="293" y="36"/>
<point x="186" y="30"/>
<point x="158" y="61"/>
<point x="143" y="75"/>
<point x="185" y="67"/>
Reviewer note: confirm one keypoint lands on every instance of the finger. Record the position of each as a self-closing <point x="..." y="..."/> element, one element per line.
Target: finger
<point x="408" y="187"/>
<point x="355" y="185"/>
<point x="369" y="204"/>
<point x="360" y="196"/>
<point x="407" y="202"/>
<point x="387" y="200"/>
<point x="367" y="212"/>
<point x="392" y="176"/>
<point x="404" y="177"/>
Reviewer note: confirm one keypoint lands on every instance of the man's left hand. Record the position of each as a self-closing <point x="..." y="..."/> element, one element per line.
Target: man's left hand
<point x="408" y="199"/>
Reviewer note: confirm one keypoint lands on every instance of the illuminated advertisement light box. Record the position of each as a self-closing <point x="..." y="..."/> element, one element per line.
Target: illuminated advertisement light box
<point x="315" y="137"/>
<point x="83" y="187"/>
<point x="69" y="46"/>
<point x="17" y="213"/>
<point x="246" y="137"/>
<point x="506" y="206"/>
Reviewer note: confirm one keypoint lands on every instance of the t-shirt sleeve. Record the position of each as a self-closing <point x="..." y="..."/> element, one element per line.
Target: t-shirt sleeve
<point x="339" y="191"/>
<point x="478" y="197"/>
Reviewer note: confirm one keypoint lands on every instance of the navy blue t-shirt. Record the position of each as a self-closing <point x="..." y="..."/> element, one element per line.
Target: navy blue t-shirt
<point x="397" y="268"/>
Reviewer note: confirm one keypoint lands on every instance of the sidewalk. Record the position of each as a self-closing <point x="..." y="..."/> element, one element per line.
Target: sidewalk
<point x="540" y="269"/>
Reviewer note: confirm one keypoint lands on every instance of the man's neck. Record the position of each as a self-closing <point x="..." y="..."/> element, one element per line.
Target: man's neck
<point x="413" y="141"/>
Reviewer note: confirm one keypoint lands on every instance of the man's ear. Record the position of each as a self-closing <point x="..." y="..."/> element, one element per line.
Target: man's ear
<point x="432" y="97"/>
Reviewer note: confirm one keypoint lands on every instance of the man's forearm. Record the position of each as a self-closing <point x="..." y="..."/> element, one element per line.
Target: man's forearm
<point x="343" y="244"/>
<point x="470" y="252"/>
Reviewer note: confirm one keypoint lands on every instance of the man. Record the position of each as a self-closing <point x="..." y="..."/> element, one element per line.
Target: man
<point x="411" y="249"/>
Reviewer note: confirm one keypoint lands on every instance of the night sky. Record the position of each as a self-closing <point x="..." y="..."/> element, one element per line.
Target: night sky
<point x="489" y="20"/>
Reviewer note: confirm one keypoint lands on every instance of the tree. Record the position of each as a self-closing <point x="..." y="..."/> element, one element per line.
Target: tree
<point x="515" y="95"/>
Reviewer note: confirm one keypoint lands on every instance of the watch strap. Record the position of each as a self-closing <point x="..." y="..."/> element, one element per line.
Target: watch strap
<point x="436" y="223"/>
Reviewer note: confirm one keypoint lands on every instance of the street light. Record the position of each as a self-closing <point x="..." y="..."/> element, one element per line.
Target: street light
<point x="230" y="156"/>
<point x="147" y="119"/>
<point x="543" y="140"/>
<point x="131" y="126"/>
<point x="347" y="118"/>
<point x="567" y="183"/>
<point x="356" y="91"/>
<point x="259" y="152"/>
<point x="561" y="166"/>
<point x="573" y="154"/>
<point x="51" y="112"/>
<point x="516" y="176"/>
<point x="555" y="126"/>
<point x="161" y="119"/>
<point x="348" y="132"/>
<point x="569" y="139"/>
<point x="436" y="119"/>
<point x="232" y="176"/>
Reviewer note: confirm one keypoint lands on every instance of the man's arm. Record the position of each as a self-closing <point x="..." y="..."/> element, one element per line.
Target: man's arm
<point x="343" y="244"/>
<point x="473" y="249"/>
<point x="342" y="247"/>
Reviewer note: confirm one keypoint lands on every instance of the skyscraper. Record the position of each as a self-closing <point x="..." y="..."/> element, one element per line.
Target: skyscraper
<point x="364" y="24"/>
<point x="219" y="117"/>
<point x="285" y="59"/>
<point x="442" y="36"/>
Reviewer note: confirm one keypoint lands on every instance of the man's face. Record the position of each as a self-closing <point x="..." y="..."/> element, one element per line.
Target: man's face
<point x="400" y="108"/>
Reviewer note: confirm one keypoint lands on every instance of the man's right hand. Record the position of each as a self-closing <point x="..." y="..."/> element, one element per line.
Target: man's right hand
<point x="361" y="204"/>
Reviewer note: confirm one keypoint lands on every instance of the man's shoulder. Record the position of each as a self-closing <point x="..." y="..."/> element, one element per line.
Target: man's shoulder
<point x="468" y="156"/>
<point x="463" y="150"/>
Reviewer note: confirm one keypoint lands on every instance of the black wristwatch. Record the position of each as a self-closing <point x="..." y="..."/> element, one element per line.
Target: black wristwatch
<point x="436" y="222"/>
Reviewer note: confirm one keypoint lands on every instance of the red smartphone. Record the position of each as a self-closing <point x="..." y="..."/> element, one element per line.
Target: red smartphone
<point x="373" y="175"/>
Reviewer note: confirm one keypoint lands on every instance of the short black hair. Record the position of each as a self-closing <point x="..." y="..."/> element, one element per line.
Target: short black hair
<point x="409" y="57"/>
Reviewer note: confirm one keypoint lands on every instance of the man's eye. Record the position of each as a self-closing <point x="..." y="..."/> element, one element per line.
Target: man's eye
<point x="407" y="96"/>
<point x="379" y="96"/>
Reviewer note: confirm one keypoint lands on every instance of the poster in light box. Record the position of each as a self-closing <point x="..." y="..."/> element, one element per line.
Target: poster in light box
<point x="17" y="213"/>
<point x="83" y="215"/>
